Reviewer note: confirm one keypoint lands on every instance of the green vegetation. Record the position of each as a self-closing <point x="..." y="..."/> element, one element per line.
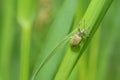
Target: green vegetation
<point x="35" y="40"/>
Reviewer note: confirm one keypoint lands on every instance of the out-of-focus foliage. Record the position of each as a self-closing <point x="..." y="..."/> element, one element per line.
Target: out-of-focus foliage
<point x="29" y="30"/>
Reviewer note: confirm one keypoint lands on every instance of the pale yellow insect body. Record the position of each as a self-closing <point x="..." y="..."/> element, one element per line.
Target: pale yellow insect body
<point x="76" y="39"/>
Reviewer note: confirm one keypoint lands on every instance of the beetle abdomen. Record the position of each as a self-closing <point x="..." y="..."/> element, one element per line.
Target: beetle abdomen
<point x="75" y="40"/>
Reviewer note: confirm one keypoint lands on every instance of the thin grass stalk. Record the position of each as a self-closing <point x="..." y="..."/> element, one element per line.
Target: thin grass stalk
<point x="25" y="52"/>
<point x="6" y="38"/>
<point x="24" y="17"/>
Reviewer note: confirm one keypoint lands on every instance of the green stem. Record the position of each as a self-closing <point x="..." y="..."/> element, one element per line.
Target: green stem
<point x="25" y="50"/>
<point x="93" y="16"/>
<point x="6" y="38"/>
<point x="25" y="19"/>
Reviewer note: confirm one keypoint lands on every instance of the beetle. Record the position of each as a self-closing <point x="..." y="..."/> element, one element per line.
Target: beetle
<point x="76" y="39"/>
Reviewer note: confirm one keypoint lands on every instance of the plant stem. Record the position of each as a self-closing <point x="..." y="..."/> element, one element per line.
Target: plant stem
<point x="6" y="38"/>
<point x="24" y="17"/>
<point x="25" y="50"/>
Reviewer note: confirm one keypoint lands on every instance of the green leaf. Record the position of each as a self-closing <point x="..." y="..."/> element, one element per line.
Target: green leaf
<point x="59" y="29"/>
<point x="92" y="22"/>
<point x="25" y="20"/>
<point x="7" y="30"/>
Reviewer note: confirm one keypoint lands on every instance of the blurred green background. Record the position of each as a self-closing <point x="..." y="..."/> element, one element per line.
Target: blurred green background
<point x="29" y="30"/>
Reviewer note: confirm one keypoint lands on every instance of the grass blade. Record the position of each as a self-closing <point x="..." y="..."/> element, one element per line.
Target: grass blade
<point x="55" y="35"/>
<point x="6" y="38"/>
<point x="92" y="21"/>
<point x="24" y="17"/>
